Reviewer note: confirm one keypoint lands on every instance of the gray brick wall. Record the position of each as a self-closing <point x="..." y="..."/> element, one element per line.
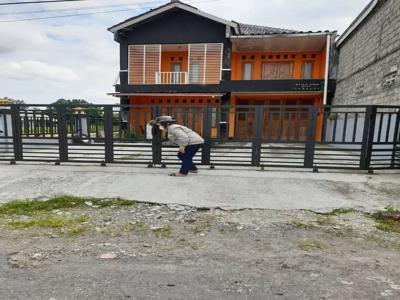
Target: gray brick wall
<point x="369" y="57"/>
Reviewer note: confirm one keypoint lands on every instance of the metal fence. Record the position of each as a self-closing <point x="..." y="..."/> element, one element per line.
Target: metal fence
<point x="329" y="137"/>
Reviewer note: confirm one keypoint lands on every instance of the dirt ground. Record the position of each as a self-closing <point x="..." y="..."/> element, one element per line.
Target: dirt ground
<point x="148" y="251"/>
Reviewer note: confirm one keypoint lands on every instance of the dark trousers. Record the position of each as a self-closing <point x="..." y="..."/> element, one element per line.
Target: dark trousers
<point x="187" y="159"/>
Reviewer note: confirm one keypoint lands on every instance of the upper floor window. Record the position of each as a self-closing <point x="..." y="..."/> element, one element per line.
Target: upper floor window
<point x="307" y="70"/>
<point x="277" y="71"/>
<point x="247" y="71"/>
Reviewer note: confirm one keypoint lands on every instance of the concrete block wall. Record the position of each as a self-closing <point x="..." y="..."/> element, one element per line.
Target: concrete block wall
<point x="368" y="56"/>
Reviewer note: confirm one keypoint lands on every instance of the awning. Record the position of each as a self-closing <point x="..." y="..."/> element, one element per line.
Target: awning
<point x="289" y="42"/>
<point x="167" y="94"/>
<point x="305" y="93"/>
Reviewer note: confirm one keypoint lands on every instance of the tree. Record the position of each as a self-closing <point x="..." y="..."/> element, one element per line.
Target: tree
<point x="13" y="101"/>
<point x="91" y="111"/>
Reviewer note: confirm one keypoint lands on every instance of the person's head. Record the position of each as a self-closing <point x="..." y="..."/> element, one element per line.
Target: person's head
<point x="163" y="122"/>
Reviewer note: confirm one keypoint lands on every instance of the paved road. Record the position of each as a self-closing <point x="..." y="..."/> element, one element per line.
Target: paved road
<point x="236" y="189"/>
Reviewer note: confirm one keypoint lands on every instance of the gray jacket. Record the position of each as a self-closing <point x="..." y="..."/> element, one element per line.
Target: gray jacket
<point x="182" y="136"/>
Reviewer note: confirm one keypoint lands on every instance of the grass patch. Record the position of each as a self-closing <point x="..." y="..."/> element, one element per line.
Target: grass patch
<point x="47" y="222"/>
<point x="388" y="220"/>
<point x="325" y="221"/>
<point x="389" y="226"/>
<point x="309" y="245"/>
<point x="129" y="227"/>
<point x="164" y="232"/>
<point x="30" y="207"/>
<point x="125" y="228"/>
<point x="390" y="209"/>
<point x="301" y="225"/>
<point x="340" y="211"/>
<point x="76" y="230"/>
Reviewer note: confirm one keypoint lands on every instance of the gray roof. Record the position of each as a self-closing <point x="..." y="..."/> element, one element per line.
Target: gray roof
<point x="248" y="29"/>
<point x="240" y="29"/>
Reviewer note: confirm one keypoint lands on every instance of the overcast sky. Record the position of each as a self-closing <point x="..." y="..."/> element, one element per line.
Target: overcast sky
<point x="76" y="57"/>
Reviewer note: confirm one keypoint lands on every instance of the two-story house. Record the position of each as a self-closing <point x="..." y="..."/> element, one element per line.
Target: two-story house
<point x="178" y="55"/>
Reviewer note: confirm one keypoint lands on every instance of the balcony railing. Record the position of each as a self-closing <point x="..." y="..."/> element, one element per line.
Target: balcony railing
<point x="172" y="78"/>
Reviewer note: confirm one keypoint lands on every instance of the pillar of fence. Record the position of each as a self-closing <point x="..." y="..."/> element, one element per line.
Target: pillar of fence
<point x="16" y="132"/>
<point x="368" y="138"/>
<point x="256" y="143"/>
<point x="6" y="140"/>
<point x="309" y="152"/>
<point x="156" y="143"/>
<point x="108" y="134"/>
<point x="206" y="151"/>
<point x="396" y="142"/>
<point x="62" y="132"/>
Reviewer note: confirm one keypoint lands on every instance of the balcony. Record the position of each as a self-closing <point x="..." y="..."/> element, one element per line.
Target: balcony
<point x="180" y="64"/>
<point x="172" y="78"/>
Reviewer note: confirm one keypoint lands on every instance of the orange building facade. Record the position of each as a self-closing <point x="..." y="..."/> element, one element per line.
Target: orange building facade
<point x="178" y="56"/>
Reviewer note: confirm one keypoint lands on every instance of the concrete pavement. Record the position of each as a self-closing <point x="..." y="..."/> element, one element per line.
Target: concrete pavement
<point x="229" y="189"/>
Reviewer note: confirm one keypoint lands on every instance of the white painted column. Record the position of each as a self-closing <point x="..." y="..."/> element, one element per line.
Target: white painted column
<point x="327" y="61"/>
<point x="5" y="131"/>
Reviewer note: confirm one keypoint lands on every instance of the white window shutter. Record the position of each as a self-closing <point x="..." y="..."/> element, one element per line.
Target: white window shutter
<point x="152" y="63"/>
<point x="144" y="63"/>
<point x="205" y="63"/>
<point x="136" y="64"/>
<point x="213" y="63"/>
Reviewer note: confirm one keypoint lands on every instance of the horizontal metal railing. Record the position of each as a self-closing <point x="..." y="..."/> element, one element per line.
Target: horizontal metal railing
<point x="298" y="136"/>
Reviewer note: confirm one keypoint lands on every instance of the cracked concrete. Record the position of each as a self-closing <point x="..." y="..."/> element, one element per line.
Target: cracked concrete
<point x="225" y="188"/>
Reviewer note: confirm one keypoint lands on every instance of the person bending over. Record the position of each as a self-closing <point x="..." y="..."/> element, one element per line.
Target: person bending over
<point x="189" y="142"/>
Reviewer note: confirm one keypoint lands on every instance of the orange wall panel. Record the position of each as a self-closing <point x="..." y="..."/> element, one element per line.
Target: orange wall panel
<point x="257" y="58"/>
<point x="170" y="58"/>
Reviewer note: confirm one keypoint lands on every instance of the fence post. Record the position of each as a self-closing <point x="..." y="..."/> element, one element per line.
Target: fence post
<point x="256" y="144"/>
<point x="311" y="135"/>
<point x="156" y="143"/>
<point x="16" y="132"/>
<point x="62" y="132"/>
<point x="368" y="138"/>
<point x="396" y="140"/>
<point x="108" y="134"/>
<point x="206" y="151"/>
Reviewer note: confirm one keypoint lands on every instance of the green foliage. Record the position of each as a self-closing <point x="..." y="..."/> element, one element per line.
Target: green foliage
<point x="91" y="111"/>
<point x="29" y="207"/>
<point x="163" y="232"/>
<point x="340" y="211"/>
<point x="388" y="220"/>
<point x="390" y="209"/>
<point x="310" y="245"/>
<point x="48" y="222"/>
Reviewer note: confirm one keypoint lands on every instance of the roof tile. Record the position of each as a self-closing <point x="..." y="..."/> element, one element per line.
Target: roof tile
<point x="247" y="29"/>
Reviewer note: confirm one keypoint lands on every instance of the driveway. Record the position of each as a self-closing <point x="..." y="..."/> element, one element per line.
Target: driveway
<point x="224" y="188"/>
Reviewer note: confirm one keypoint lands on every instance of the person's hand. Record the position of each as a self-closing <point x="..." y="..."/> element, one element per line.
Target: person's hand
<point x="182" y="150"/>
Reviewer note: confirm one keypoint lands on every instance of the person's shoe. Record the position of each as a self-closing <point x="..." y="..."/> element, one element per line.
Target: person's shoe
<point x="177" y="175"/>
<point x="194" y="171"/>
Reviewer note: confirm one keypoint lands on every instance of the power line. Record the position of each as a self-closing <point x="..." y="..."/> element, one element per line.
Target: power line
<point x="37" y="2"/>
<point x="66" y="16"/>
<point x="74" y="8"/>
<point x="87" y="14"/>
